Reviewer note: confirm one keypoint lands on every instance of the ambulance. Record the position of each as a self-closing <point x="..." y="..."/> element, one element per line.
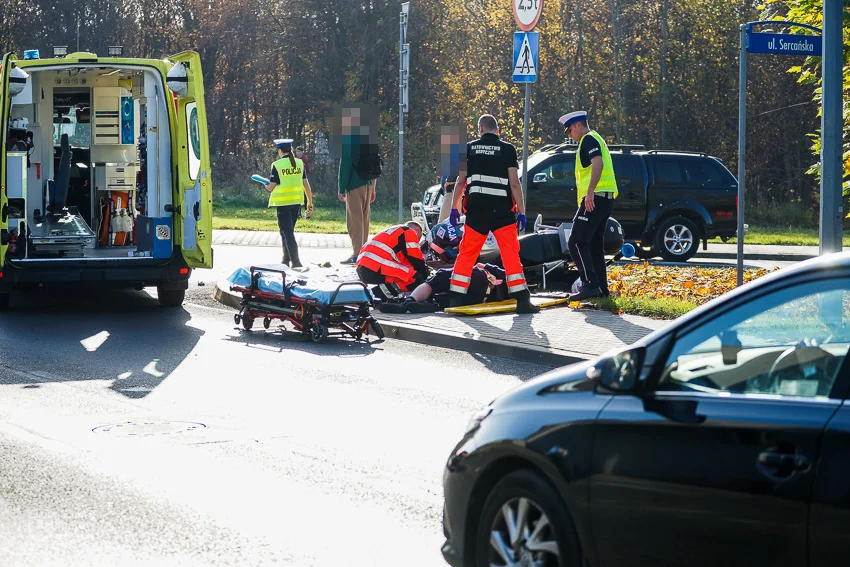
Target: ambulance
<point x="104" y="172"/>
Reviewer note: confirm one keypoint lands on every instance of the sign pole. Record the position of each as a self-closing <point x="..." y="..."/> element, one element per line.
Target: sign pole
<point x="742" y="145"/>
<point x="831" y="202"/>
<point x="525" y="146"/>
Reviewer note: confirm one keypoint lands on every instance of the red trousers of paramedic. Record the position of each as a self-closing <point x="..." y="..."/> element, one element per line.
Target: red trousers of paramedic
<point x="470" y="248"/>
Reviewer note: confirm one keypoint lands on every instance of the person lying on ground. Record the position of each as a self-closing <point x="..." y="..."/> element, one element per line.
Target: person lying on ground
<point x="487" y="285"/>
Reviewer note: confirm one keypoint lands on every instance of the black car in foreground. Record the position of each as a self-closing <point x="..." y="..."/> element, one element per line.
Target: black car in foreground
<point x="720" y="440"/>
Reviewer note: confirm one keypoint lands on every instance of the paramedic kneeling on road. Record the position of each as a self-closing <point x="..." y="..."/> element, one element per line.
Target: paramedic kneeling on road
<point x="288" y="188"/>
<point x="393" y="256"/>
<point x="490" y="199"/>
<point x="597" y="189"/>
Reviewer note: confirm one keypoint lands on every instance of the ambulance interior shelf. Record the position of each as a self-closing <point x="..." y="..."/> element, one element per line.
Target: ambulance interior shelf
<point x="115" y="185"/>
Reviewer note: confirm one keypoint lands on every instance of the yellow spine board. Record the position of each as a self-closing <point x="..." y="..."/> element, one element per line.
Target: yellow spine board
<point x="501" y="306"/>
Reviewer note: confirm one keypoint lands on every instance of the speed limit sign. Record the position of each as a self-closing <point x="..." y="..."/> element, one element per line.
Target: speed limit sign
<point x="526" y="13"/>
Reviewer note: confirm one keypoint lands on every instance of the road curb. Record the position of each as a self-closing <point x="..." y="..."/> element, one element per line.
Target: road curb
<point x="478" y="345"/>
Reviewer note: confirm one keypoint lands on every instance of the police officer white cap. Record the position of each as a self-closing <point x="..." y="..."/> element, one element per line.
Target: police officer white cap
<point x="283" y="143"/>
<point x="572" y="118"/>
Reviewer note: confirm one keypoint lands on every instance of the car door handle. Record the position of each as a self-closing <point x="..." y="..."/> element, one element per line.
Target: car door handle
<point x="786" y="461"/>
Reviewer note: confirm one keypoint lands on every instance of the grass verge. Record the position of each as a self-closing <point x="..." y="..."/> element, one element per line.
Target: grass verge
<point x="328" y="218"/>
<point x="782" y="236"/>
<point x="645" y="307"/>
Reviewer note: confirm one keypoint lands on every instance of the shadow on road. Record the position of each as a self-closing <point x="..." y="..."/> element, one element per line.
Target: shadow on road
<point x="74" y="334"/>
<point x="276" y="339"/>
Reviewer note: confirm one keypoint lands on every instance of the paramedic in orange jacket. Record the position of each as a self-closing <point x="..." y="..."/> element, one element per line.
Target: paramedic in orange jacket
<point x="393" y="256"/>
<point x="493" y="202"/>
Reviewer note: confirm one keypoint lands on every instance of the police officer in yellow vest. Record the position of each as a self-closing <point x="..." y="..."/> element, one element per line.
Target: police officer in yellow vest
<point x="288" y="185"/>
<point x="597" y="189"/>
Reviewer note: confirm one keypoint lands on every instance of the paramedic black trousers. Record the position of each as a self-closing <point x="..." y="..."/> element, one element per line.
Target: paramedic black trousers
<point x="287" y="216"/>
<point x="586" y="242"/>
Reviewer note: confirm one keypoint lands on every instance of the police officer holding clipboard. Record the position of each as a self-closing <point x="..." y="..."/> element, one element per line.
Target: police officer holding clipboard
<point x="288" y="186"/>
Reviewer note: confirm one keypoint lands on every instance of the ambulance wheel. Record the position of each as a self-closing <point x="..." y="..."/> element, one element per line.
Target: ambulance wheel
<point x="171" y="297"/>
<point x="376" y="328"/>
<point x="247" y="322"/>
<point x="319" y="333"/>
<point x="267" y="322"/>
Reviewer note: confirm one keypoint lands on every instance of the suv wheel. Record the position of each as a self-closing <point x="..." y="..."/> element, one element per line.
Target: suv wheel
<point x="677" y="239"/>
<point x="524" y="522"/>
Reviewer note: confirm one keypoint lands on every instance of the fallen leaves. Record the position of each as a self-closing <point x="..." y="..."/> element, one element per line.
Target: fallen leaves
<point x="697" y="284"/>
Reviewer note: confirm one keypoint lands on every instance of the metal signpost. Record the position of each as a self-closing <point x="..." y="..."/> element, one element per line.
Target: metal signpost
<point x="770" y="43"/>
<point x="403" y="73"/>
<point x="832" y="122"/>
<point x="526" y="43"/>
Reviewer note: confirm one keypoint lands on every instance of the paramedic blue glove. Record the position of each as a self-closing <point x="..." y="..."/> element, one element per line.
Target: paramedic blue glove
<point x="520" y="222"/>
<point x="454" y="217"/>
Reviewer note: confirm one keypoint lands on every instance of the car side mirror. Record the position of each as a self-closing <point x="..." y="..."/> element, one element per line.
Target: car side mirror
<point x="619" y="372"/>
<point x="730" y="346"/>
<point x="539" y="178"/>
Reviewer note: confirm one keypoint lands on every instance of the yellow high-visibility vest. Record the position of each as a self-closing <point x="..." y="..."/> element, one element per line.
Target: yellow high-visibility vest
<point x="607" y="182"/>
<point x="290" y="190"/>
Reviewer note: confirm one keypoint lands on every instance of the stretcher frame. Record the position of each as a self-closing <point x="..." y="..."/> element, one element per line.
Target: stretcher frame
<point x="309" y="316"/>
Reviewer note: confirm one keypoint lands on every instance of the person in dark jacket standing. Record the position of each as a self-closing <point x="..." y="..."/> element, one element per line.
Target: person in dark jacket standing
<point x="357" y="193"/>
<point x="596" y="188"/>
<point x="492" y="200"/>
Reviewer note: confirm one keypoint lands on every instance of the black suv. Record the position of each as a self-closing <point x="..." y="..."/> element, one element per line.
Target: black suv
<point x="668" y="200"/>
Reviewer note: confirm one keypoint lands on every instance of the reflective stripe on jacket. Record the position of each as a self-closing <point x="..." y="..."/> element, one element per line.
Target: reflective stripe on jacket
<point x="390" y="253"/>
<point x="607" y="181"/>
<point x="290" y="190"/>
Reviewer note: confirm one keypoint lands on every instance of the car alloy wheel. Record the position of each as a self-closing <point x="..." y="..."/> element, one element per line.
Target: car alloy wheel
<point x="678" y="239"/>
<point x="522" y="536"/>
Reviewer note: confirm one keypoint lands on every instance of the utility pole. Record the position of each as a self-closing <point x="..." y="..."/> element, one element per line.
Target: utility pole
<point x="831" y="201"/>
<point x="403" y="73"/>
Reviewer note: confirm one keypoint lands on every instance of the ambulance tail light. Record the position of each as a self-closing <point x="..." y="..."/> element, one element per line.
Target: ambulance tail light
<point x="183" y="271"/>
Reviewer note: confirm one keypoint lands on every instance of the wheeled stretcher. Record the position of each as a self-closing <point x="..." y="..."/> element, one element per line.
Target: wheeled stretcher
<point x="339" y="309"/>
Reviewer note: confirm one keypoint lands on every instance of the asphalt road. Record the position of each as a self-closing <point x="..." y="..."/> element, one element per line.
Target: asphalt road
<point x="132" y="434"/>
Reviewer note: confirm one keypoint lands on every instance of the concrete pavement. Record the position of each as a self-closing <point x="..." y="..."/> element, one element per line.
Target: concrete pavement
<point x="557" y="335"/>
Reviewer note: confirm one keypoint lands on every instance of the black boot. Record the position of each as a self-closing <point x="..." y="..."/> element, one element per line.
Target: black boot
<point x="586" y="293"/>
<point x="523" y="302"/>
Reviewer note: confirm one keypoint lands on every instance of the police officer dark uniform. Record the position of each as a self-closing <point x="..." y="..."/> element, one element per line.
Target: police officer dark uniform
<point x="597" y="189"/>
<point x="492" y="201"/>
<point x="288" y="187"/>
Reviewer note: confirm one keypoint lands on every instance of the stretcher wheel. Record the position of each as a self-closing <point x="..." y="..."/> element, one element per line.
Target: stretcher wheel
<point x="247" y="322"/>
<point x="319" y="333"/>
<point x="376" y="328"/>
<point x="267" y="322"/>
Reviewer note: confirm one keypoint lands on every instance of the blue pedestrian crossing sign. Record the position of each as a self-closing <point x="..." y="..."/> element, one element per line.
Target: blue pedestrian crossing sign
<point x="525" y="56"/>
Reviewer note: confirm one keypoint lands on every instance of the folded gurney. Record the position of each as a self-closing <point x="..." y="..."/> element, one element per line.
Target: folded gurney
<point x="317" y="307"/>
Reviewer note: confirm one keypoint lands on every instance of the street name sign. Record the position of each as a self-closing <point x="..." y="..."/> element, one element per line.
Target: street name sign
<point x="784" y="44"/>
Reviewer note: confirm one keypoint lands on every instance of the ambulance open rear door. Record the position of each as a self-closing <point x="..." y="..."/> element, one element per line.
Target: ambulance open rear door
<point x="5" y="108"/>
<point x="191" y="161"/>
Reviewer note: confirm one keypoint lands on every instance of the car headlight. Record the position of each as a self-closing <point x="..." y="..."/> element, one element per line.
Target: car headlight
<point x="476" y="419"/>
